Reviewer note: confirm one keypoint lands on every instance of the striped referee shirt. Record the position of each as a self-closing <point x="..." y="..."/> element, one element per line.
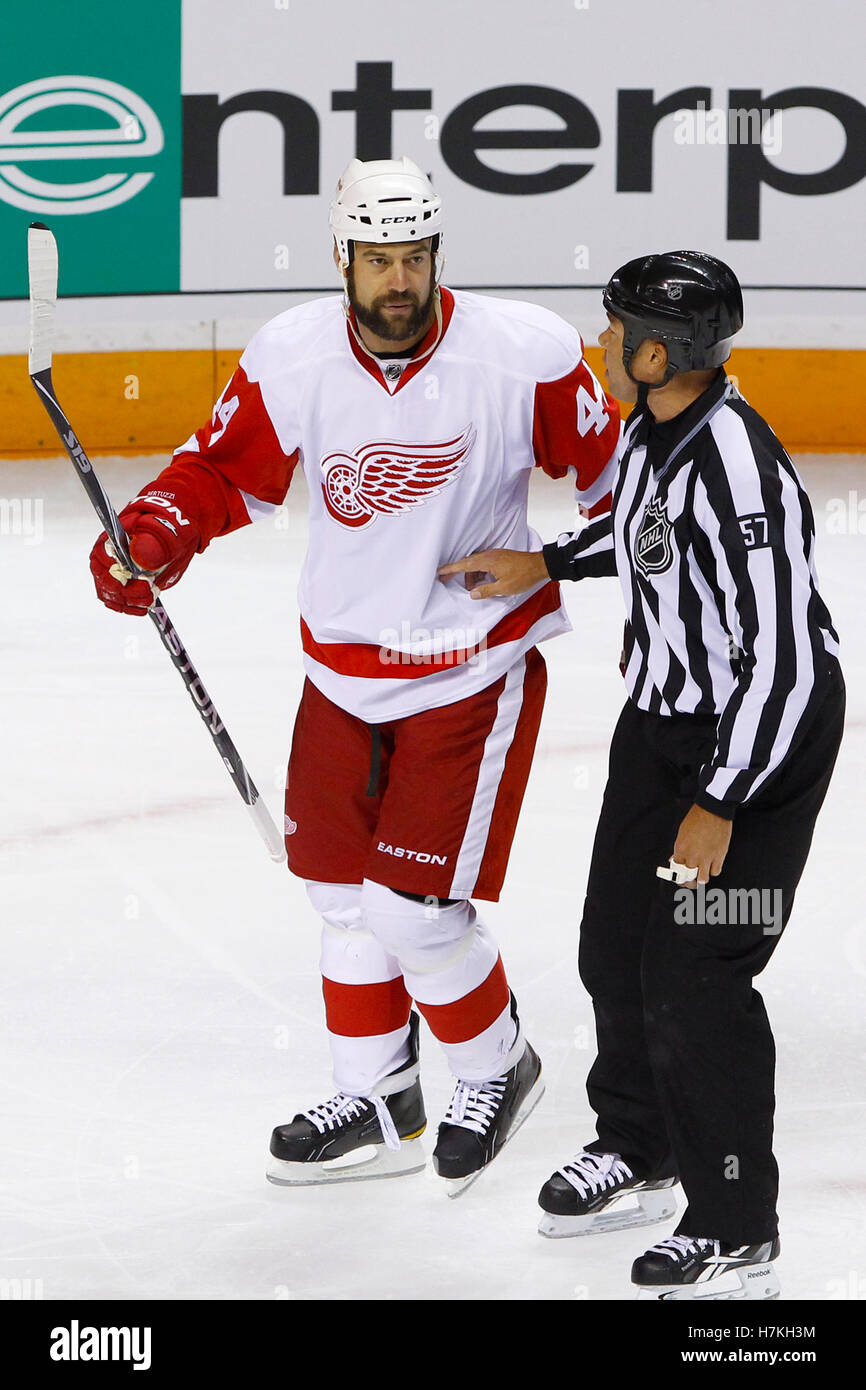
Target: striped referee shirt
<point x="712" y="536"/>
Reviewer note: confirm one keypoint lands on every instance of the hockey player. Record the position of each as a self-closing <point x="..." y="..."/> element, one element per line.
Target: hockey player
<point x="417" y="414"/>
<point x="718" y="768"/>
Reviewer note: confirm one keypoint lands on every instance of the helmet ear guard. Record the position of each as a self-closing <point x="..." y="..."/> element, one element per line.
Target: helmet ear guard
<point x="438" y="258"/>
<point x="635" y="332"/>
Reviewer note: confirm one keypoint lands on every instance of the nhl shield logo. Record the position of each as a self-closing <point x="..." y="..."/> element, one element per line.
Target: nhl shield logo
<point x="652" y="546"/>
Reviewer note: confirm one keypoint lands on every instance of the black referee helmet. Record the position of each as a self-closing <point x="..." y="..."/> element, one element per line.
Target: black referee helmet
<point x="687" y="300"/>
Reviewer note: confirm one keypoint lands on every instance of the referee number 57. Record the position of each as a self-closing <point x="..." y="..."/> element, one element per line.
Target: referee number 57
<point x="755" y="530"/>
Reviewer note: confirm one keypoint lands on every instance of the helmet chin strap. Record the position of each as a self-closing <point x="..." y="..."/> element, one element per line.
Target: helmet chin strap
<point x="437" y="318"/>
<point x="644" y="387"/>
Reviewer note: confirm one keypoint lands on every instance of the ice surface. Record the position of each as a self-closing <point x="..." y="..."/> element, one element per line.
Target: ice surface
<point x="161" y="998"/>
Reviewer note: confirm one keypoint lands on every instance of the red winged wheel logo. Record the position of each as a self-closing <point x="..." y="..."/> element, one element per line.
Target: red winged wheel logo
<point x="389" y="478"/>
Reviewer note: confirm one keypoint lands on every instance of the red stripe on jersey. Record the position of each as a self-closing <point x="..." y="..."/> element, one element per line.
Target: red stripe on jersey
<point x="575" y="425"/>
<point x="598" y="508"/>
<point x="365" y="1011"/>
<point x="422" y="353"/>
<point x="467" y="1017"/>
<point x="383" y="663"/>
<point x="238" y="450"/>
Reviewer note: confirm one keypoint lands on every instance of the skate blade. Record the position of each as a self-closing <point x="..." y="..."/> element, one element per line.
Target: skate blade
<point x="371" y="1161"/>
<point x="652" y="1206"/>
<point x="749" y="1282"/>
<point x="454" y="1187"/>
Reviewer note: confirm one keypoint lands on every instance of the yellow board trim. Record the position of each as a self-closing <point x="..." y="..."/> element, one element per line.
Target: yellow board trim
<point x="150" y="402"/>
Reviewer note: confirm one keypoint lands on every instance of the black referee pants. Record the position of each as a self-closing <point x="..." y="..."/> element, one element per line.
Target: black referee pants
<point x="683" y="1081"/>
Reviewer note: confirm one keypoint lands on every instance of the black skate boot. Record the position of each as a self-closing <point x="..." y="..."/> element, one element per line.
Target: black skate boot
<point x="352" y="1137"/>
<point x="691" y="1267"/>
<point x="483" y="1115"/>
<point x="593" y="1193"/>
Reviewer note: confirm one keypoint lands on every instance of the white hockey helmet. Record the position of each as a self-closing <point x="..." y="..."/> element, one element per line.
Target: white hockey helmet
<point x="380" y="200"/>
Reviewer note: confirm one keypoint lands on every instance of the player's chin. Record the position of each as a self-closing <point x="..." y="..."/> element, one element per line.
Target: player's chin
<point x="398" y="321"/>
<point x="399" y="332"/>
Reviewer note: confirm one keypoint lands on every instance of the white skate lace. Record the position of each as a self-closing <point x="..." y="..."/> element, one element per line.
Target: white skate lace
<point x="342" y="1108"/>
<point x="590" y="1172"/>
<point x="677" y="1247"/>
<point x="475" y="1103"/>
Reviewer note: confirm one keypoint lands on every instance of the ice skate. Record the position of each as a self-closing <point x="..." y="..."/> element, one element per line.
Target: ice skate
<point x="348" y="1138"/>
<point x="594" y="1193"/>
<point x="689" y="1267"/>
<point x="482" y="1116"/>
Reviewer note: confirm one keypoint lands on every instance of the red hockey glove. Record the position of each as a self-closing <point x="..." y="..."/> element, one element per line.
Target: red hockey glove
<point x="162" y="540"/>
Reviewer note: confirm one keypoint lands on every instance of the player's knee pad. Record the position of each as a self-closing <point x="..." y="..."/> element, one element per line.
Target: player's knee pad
<point x="424" y="937"/>
<point x="338" y="904"/>
<point x="350" y="952"/>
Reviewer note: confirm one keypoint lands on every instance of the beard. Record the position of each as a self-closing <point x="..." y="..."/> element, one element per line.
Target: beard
<point x="412" y="325"/>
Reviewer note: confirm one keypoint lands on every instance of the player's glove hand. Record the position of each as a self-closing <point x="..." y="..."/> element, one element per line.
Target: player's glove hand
<point x="162" y="541"/>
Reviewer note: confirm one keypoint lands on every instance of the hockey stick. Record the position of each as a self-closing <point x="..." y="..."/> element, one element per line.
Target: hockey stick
<point x="42" y="266"/>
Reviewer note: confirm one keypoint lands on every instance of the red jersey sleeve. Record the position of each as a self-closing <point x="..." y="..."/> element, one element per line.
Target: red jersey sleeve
<point x="576" y="426"/>
<point x="234" y="469"/>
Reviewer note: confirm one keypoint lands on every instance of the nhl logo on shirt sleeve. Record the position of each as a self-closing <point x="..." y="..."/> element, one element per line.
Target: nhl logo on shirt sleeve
<point x="653" y="551"/>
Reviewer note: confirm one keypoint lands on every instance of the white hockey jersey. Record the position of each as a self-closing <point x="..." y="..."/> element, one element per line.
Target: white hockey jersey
<point x="407" y="470"/>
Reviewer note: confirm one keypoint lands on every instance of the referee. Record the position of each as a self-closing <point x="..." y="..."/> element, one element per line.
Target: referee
<point x="718" y="767"/>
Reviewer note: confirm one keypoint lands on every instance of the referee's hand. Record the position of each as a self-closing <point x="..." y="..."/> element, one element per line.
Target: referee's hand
<point x="512" y="571"/>
<point x="702" y="843"/>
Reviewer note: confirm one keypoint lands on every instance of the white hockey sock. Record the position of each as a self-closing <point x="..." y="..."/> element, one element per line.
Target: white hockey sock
<point x="451" y="967"/>
<point x="351" y="956"/>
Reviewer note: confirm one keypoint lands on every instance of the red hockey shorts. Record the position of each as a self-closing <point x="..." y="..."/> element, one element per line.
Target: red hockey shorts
<point x="427" y="804"/>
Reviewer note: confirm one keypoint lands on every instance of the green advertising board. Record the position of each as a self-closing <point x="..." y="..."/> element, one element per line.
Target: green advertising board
<point x="90" y="143"/>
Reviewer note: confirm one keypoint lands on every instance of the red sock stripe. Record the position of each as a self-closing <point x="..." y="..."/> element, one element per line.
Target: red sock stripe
<point x="469" y="1016"/>
<point x="365" y="1011"/>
